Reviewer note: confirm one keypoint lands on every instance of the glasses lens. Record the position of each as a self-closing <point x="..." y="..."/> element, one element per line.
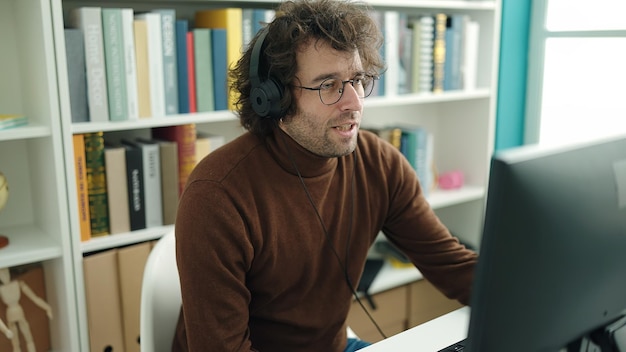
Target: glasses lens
<point x="331" y="90"/>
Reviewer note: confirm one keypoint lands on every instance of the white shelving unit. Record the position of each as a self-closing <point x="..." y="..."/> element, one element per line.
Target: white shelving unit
<point x="40" y="218"/>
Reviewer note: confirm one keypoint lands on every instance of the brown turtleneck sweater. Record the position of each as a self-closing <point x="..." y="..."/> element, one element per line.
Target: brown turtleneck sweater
<point x="262" y="268"/>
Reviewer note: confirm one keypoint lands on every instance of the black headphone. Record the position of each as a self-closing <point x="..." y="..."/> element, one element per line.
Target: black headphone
<point x="265" y="96"/>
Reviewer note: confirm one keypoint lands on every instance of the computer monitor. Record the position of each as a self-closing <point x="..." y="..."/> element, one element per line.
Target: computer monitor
<point x="552" y="264"/>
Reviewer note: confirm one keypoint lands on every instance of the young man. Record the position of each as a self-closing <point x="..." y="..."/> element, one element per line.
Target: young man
<point x="273" y="229"/>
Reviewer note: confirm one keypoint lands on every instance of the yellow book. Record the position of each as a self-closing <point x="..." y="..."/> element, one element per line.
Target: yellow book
<point x="230" y="18"/>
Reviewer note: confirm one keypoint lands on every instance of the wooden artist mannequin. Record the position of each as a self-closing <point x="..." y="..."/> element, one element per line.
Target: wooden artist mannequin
<point x="10" y="292"/>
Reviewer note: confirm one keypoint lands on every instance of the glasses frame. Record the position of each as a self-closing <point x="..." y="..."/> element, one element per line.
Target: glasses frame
<point x="343" y="87"/>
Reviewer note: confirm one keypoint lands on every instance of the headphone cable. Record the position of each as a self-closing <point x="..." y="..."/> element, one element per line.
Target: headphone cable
<point x="342" y="265"/>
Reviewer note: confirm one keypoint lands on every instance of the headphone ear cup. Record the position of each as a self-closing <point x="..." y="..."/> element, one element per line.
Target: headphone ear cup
<point x="266" y="99"/>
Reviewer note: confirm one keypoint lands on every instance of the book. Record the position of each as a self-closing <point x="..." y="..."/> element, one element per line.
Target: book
<point x="182" y="27"/>
<point x="168" y="152"/>
<point x="191" y="72"/>
<point x="117" y="188"/>
<point x="207" y="143"/>
<point x="439" y="52"/>
<point x="454" y="52"/>
<point x="203" y="69"/>
<point x="102" y="296"/>
<point x="135" y="185"/>
<point x="114" y="58"/>
<point x="260" y="18"/>
<point x="96" y="183"/>
<point x="89" y="20"/>
<point x="405" y="54"/>
<point x="155" y="62"/>
<point x="424" y="31"/>
<point x="76" y="75"/>
<point x="152" y="182"/>
<point x="231" y="19"/>
<point x="392" y="45"/>
<point x="414" y="145"/>
<point x="10" y="121"/>
<point x="170" y="63"/>
<point x="220" y="69"/>
<point x="80" y="169"/>
<point x="185" y="137"/>
<point x="469" y="69"/>
<point x="144" y="109"/>
<point x="247" y="28"/>
<point x="130" y="63"/>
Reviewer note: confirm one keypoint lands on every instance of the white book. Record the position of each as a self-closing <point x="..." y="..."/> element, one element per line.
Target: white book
<point x="155" y="62"/>
<point x="131" y="63"/>
<point x="470" y="59"/>
<point x="392" y="53"/>
<point x="152" y="182"/>
<point x="89" y="20"/>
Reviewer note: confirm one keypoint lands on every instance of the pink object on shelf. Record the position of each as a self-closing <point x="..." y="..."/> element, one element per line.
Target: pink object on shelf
<point x="451" y="180"/>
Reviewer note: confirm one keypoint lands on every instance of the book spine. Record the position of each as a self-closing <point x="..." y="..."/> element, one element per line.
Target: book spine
<point x="155" y="63"/>
<point x="117" y="189"/>
<point x="136" y="190"/>
<point x="191" y="73"/>
<point x="82" y="192"/>
<point x="182" y="27"/>
<point x="204" y="69"/>
<point x="392" y="45"/>
<point x="96" y="183"/>
<point x="130" y="63"/>
<point x="90" y="21"/>
<point x="170" y="70"/>
<point x="439" y="52"/>
<point x="115" y="63"/>
<point x="220" y="68"/>
<point x="77" y="78"/>
<point x="168" y="152"/>
<point x="152" y="184"/>
<point x="140" y="27"/>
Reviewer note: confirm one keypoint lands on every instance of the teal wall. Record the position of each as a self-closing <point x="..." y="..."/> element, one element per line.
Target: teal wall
<point x="510" y="110"/>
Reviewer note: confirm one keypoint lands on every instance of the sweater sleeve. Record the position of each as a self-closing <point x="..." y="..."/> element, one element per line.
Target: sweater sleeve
<point x="413" y="226"/>
<point x="213" y="255"/>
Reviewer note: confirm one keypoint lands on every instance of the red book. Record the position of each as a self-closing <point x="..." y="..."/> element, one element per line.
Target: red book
<point x="191" y="71"/>
<point x="185" y="138"/>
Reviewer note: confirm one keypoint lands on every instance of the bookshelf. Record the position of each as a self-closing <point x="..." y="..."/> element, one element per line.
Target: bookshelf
<point x="41" y="218"/>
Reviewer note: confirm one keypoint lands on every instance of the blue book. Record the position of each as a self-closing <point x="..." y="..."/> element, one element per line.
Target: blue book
<point x="220" y="68"/>
<point x="182" y="27"/>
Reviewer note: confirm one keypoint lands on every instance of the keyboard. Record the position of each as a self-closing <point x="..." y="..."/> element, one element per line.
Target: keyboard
<point x="459" y="346"/>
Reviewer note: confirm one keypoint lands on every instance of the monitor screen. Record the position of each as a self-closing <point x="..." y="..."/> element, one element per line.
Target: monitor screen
<point x="552" y="262"/>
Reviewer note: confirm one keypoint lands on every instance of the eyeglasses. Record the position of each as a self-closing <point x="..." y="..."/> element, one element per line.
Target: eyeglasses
<point x="331" y="89"/>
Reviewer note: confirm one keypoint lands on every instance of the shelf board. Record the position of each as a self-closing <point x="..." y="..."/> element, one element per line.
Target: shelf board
<point x="427" y="98"/>
<point x="25" y="132"/>
<point x="124" y="239"/>
<point x="169" y="120"/>
<point x="27" y="244"/>
<point x="440" y="198"/>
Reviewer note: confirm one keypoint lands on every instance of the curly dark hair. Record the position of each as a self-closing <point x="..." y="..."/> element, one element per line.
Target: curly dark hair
<point x="346" y="25"/>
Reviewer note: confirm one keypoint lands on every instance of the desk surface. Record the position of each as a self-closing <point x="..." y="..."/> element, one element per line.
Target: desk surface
<point x="428" y="337"/>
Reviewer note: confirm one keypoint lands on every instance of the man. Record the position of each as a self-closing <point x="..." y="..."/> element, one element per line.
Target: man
<point x="273" y="229"/>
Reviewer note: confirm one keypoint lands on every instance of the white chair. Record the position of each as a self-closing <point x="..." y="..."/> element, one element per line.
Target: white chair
<point x="160" y="297"/>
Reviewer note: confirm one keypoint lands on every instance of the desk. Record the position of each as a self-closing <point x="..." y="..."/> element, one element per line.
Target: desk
<point x="428" y="337"/>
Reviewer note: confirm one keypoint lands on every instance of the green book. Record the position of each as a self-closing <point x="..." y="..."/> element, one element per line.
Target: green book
<point x="114" y="57"/>
<point x="204" y="69"/>
<point x="96" y="183"/>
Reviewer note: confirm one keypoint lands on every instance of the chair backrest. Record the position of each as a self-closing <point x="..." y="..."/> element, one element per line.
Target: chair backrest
<point x="160" y="297"/>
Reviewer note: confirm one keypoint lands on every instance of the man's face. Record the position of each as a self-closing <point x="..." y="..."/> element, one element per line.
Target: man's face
<point x="326" y="130"/>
